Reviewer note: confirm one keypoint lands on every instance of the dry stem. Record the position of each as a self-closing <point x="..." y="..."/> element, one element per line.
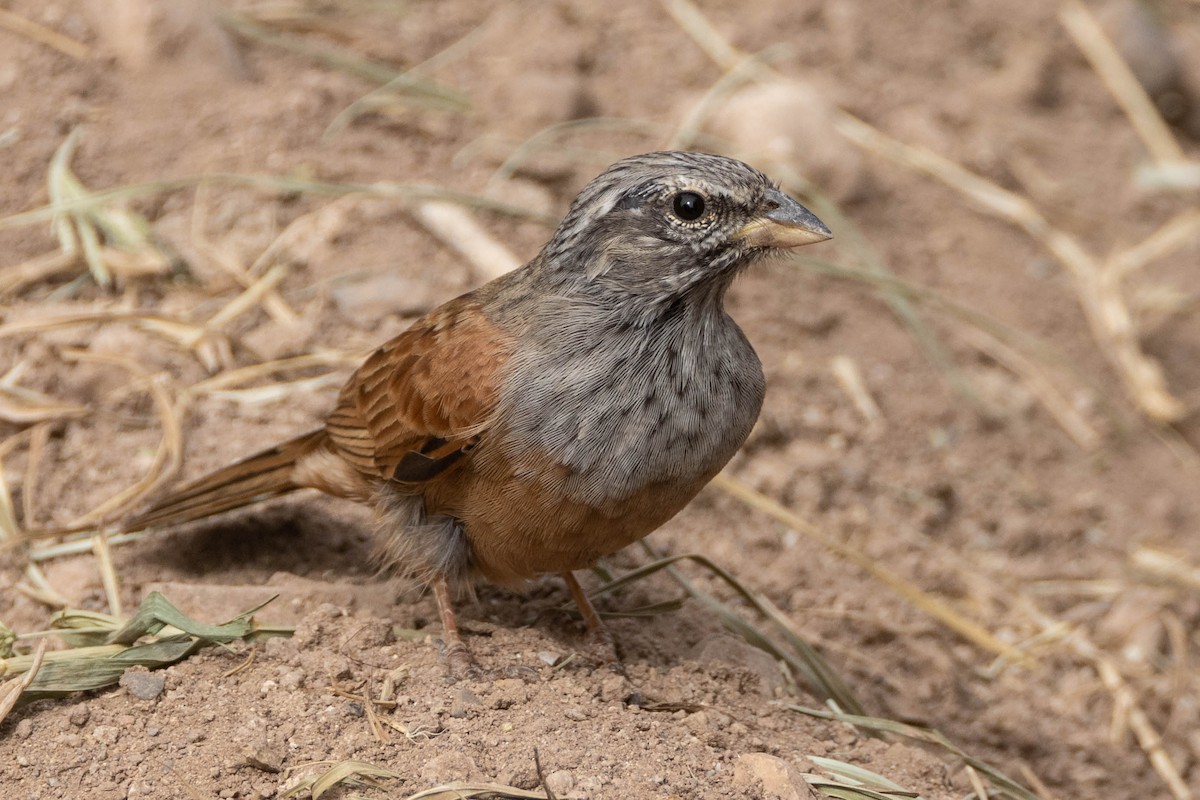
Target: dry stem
<point x="1098" y="289"/>
<point x="40" y="33"/>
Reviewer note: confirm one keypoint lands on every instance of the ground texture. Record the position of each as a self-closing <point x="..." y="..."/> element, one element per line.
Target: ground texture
<point x="1028" y="492"/>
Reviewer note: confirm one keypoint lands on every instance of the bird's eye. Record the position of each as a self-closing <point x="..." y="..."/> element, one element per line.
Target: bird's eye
<point x="688" y="206"/>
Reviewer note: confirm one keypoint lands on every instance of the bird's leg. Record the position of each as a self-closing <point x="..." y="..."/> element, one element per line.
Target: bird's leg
<point x="458" y="658"/>
<point x="599" y="639"/>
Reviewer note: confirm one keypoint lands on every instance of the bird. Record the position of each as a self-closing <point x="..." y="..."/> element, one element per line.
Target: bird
<point x="558" y="413"/>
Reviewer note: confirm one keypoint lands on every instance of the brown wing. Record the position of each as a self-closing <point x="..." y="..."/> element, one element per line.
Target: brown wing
<point x="421" y="401"/>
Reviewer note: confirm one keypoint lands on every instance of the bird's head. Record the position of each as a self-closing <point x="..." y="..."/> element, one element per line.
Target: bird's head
<point x="660" y="226"/>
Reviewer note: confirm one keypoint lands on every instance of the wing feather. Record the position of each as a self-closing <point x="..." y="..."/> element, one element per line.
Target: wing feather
<point x="421" y="401"/>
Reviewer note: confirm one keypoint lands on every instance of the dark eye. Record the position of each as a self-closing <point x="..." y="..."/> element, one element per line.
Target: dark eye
<point x="688" y="206"/>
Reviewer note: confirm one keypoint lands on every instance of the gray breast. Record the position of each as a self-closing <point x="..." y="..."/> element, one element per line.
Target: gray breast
<point x="614" y="408"/>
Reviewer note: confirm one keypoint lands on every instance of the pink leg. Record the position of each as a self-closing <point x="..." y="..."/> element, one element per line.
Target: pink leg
<point x="599" y="638"/>
<point x="458" y="658"/>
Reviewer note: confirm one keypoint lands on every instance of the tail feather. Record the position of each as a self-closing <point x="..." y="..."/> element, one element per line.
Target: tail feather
<point x="260" y="477"/>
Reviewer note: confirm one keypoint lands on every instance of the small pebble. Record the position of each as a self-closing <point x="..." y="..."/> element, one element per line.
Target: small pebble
<point x="79" y="715"/>
<point x="143" y="685"/>
<point x="549" y="658"/>
<point x="560" y="782"/>
<point x="106" y="734"/>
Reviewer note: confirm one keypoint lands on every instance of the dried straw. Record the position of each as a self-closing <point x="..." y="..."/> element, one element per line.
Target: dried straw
<point x="43" y="35"/>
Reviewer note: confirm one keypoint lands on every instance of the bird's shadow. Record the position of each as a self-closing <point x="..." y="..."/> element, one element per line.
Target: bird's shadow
<point x="335" y="543"/>
<point x="300" y="537"/>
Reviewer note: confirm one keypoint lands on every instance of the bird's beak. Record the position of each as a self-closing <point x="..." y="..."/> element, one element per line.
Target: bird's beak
<point x="787" y="225"/>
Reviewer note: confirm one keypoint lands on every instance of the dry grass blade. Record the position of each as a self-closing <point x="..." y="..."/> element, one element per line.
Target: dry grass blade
<point x="11" y="691"/>
<point x="237" y="378"/>
<point x="98" y="665"/>
<point x="747" y="69"/>
<point x="113" y="241"/>
<point x="7" y="640"/>
<point x="1038" y="384"/>
<point x="306" y="233"/>
<point x="108" y="573"/>
<point x="548" y="138"/>
<point x="419" y="90"/>
<point x="1175" y="233"/>
<point x="362" y="773"/>
<point x="1004" y="785"/>
<point x="180" y="332"/>
<point x="23" y="406"/>
<point x="801" y="657"/>
<point x="252" y="296"/>
<point x="167" y="459"/>
<point x="74" y="231"/>
<point x="278" y="392"/>
<point x="696" y="25"/>
<point x="271" y="183"/>
<point x="346" y="772"/>
<point x="36" y="269"/>
<point x="9" y="530"/>
<point x="186" y="335"/>
<point x="845" y="370"/>
<point x="273" y="303"/>
<point x="157" y="613"/>
<point x="77" y="545"/>
<point x="860" y="775"/>
<point x="33" y="461"/>
<point x="1177" y="177"/>
<point x="1023" y="346"/>
<point x="969" y="630"/>
<point x="980" y="790"/>
<point x="1121" y="82"/>
<point x="479" y="791"/>
<point x="36" y="586"/>
<point x="1098" y="290"/>
<point x="852" y="782"/>
<point x="387" y="96"/>
<point x="648" y="610"/>
<point x="80" y="627"/>
<point x="40" y="33"/>
<point x="1166" y="567"/>
<point x="456" y="228"/>
<point x="243" y="303"/>
<point x="1124" y="698"/>
<point x="843" y="791"/>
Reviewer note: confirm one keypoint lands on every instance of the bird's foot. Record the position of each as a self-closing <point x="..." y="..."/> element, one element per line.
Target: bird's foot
<point x="461" y="664"/>
<point x="600" y="651"/>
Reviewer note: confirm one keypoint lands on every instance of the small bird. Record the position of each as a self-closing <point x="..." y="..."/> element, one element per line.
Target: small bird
<point x="559" y="412"/>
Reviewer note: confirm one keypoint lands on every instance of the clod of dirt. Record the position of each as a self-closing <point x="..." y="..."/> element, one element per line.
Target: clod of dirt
<point x="449" y="767"/>
<point x="139" y="33"/>
<point x="725" y="649"/>
<point x="143" y="685"/>
<point x="560" y="782"/>
<point x="780" y="779"/>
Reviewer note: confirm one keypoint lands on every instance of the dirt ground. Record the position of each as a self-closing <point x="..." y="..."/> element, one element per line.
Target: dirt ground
<point x="1029" y="493"/>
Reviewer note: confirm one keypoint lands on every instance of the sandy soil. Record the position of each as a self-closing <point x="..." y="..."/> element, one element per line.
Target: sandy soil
<point x="980" y="497"/>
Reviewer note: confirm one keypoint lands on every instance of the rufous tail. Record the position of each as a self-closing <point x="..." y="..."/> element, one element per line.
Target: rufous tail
<point x="260" y="477"/>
